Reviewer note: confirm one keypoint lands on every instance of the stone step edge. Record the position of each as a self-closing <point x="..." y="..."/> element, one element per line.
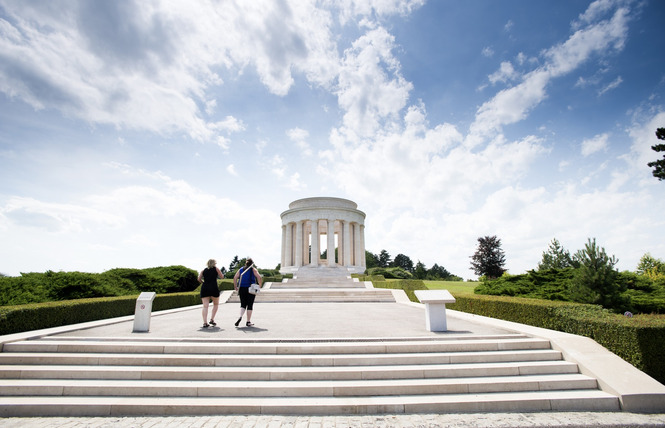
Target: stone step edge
<point x="295" y="360"/>
<point x="587" y="400"/>
<point x="293" y="388"/>
<point x="312" y="348"/>
<point x="413" y="371"/>
<point x="447" y="337"/>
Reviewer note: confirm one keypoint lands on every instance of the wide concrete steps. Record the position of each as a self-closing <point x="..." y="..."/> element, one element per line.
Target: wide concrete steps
<point x="452" y="373"/>
<point x="321" y="295"/>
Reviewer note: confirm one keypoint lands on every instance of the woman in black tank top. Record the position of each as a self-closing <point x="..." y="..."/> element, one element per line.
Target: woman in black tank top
<point x="210" y="291"/>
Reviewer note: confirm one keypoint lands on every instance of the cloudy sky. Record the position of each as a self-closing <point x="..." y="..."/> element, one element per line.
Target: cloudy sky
<point x="152" y="133"/>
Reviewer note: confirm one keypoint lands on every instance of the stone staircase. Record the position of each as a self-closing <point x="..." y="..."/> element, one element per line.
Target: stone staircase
<point x="71" y="375"/>
<point x="311" y="285"/>
<point x="87" y="376"/>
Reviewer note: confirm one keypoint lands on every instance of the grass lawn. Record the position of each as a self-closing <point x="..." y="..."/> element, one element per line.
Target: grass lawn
<point x="452" y="286"/>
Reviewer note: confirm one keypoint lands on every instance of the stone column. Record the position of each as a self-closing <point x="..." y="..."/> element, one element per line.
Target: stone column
<point x="288" y="254"/>
<point x="356" y="245"/>
<point x="363" y="262"/>
<point x="283" y="260"/>
<point x="331" y="243"/>
<point x="347" y="243"/>
<point x="315" y="243"/>
<point x="298" y="260"/>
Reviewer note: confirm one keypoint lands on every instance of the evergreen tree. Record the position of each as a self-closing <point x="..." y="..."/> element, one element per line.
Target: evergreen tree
<point x="489" y="258"/>
<point x="556" y="257"/>
<point x="371" y="260"/>
<point x="659" y="165"/>
<point x="595" y="280"/>
<point x="404" y="262"/>
<point x="384" y="259"/>
<point x="421" y="270"/>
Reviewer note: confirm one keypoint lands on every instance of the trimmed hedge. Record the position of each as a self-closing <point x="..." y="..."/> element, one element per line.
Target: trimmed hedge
<point x="36" y="316"/>
<point x="640" y="340"/>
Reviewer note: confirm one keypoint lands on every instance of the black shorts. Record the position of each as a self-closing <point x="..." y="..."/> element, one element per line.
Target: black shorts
<point x="246" y="298"/>
<point x="209" y="291"/>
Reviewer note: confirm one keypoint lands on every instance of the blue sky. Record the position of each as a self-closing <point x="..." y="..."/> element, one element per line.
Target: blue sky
<point x="152" y="133"/>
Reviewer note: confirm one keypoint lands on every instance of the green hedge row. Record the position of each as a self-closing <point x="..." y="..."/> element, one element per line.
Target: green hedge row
<point x="36" y="316"/>
<point x="640" y="340"/>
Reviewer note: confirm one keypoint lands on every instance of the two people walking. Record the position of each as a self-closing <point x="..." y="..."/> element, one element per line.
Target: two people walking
<point x="244" y="277"/>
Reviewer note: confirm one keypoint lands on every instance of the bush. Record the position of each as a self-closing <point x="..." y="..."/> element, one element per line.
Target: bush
<point x="391" y="273"/>
<point x="639" y="340"/>
<point x="57" y="286"/>
<point x="36" y="316"/>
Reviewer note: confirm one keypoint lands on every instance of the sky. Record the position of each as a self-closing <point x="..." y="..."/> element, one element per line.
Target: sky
<point x="145" y="133"/>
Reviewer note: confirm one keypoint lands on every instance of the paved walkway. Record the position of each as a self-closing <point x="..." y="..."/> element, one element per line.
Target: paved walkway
<point x="308" y="321"/>
<point x="474" y="420"/>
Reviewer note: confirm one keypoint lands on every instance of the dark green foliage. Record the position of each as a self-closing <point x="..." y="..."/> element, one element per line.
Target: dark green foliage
<point x="392" y="273"/>
<point x="36" y="316"/>
<point x="384" y="259"/>
<point x="659" y="165"/>
<point x="438" y="272"/>
<point x="371" y="260"/>
<point x="55" y="286"/>
<point x="551" y="284"/>
<point x="421" y="270"/>
<point x="556" y="257"/>
<point x="408" y="285"/>
<point x="489" y="258"/>
<point x="640" y="340"/>
<point x="595" y="280"/>
<point x="403" y="262"/>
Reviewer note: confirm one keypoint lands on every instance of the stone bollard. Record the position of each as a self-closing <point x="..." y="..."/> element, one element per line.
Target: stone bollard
<point x="435" y="308"/>
<point x="143" y="311"/>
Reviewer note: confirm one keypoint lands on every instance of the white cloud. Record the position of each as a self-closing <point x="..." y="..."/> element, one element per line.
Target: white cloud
<point x="487" y="52"/>
<point x="505" y="73"/>
<point x="612" y="85"/>
<point x="370" y="87"/>
<point x="300" y="136"/>
<point x="595" y="144"/>
<point x="231" y="169"/>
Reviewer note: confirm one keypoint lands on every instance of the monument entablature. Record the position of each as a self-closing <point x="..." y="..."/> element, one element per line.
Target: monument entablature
<point x="307" y="220"/>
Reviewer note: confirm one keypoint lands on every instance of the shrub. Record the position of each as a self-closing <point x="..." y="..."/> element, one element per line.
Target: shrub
<point x="56" y="286"/>
<point x="391" y="273"/>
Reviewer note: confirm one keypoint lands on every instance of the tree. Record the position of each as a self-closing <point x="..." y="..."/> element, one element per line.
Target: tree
<point x="659" y="165"/>
<point x="647" y="263"/>
<point x="421" y="270"/>
<point x="556" y="257"/>
<point x="234" y="264"/>
<point x="371" y="260"/>
<point x="489" y="258"/>
<point x="438" y="272"/>
<point x="404" y="262"/>
<point x="384" y="259"/>
<point x="595" y="280"/>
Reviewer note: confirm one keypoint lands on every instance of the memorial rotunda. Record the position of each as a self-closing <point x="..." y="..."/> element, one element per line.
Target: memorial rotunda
<point x="308" y="220"/>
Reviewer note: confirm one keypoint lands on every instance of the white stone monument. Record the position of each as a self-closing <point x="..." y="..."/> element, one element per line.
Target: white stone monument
<point x="307" y="220"/>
